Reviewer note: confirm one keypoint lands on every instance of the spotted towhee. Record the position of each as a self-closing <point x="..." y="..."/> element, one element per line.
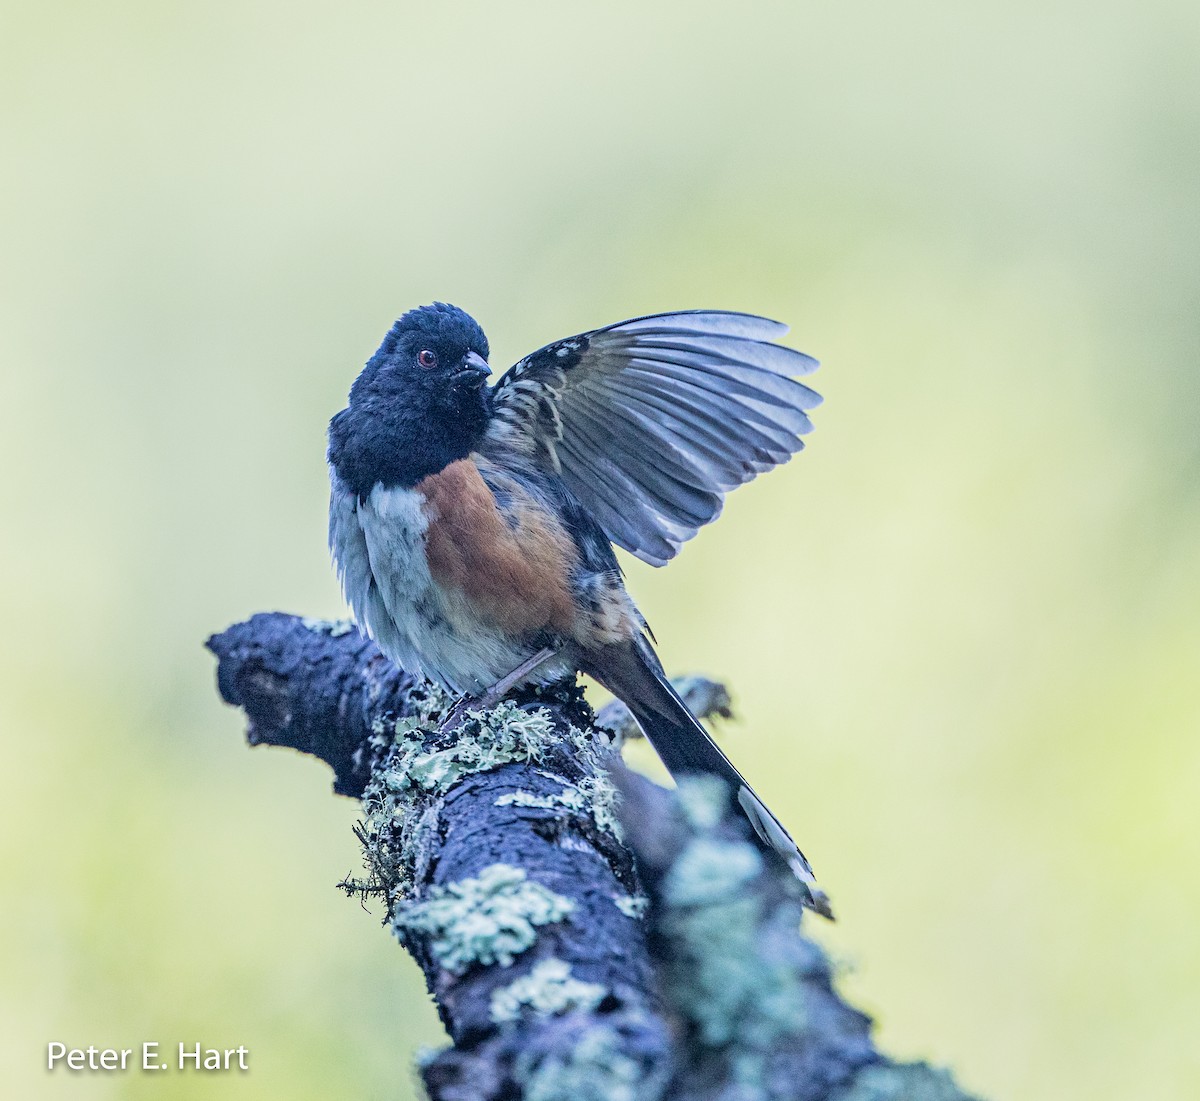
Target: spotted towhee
<point x="472" y="527"/>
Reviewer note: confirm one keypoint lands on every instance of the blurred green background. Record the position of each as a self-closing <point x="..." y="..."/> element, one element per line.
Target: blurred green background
<point x="963" y="627"/>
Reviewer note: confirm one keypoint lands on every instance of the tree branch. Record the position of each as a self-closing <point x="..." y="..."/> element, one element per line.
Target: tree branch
<point x="578" y="944"/>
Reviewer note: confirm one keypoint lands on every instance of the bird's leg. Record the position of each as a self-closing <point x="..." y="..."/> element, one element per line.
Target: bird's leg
<point x="505" y="684"/>
<point x="491" y="696"/>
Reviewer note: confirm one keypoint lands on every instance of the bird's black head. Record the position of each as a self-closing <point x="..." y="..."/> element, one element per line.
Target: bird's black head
<point x="418" y="405"/>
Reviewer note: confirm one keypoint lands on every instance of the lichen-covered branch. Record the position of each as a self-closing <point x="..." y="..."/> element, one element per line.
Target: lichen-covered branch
<point x="585" y="934"/>
<point x="758" y="1015"/>
<point x="495" y="849"/>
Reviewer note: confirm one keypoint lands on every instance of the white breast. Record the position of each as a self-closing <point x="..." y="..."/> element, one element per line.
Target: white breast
<point x="379" y="547"/>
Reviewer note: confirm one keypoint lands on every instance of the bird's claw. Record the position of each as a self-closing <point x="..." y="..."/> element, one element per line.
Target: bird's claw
<point x="461" y="708"/>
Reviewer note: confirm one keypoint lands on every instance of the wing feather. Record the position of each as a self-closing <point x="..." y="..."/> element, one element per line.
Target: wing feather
<point x="652" y="421"/>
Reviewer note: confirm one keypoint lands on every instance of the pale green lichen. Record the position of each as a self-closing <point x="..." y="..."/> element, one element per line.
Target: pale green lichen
<point x="600" y="791"/>
<point x="595" y="793"/>
<point x="632" y="906"/>
<point x="496" y="737"/>
<point x="548" y="988"/>
<point x="737" y="992"/>
<point x="596" y="1069"/>
<point x="491" y="918"/>
<point x="570" y="798"/>
<point x="710" y="870"/>
<point x="423" y="762"/>
<point x="703" y="800"/>
<point x="902" y="1082"/>
<point x="334" y="628"/>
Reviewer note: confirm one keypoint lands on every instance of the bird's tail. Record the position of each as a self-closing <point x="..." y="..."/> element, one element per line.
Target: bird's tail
<point x="633" y="673"/>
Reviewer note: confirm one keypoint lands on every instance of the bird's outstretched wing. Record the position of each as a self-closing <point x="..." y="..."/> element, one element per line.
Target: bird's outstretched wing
<point x="652" y="421"/>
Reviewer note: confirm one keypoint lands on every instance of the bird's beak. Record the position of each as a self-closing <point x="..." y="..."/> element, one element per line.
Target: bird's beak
<point x="474" y="369"/>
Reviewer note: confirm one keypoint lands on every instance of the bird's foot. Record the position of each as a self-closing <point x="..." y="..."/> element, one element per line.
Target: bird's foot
<point x="491" y="696"/>
<point x="457" y="715"/>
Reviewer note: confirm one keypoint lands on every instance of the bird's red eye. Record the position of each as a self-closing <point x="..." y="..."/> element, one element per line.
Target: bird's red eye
<point x="426" y="358"/>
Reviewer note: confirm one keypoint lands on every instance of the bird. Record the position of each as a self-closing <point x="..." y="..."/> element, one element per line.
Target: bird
<point x="472" y="527"/>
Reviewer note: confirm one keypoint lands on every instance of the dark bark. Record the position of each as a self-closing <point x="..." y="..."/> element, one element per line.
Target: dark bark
<point x="570" y="954"/>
